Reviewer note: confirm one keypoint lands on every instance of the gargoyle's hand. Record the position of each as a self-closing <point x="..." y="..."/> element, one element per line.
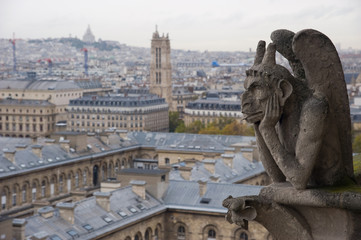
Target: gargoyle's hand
<point x="272" y="113"/>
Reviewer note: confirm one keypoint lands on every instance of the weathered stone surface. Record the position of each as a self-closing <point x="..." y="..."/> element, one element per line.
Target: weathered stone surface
<point x="302" y="121"/>
<point x="288" y="213"/>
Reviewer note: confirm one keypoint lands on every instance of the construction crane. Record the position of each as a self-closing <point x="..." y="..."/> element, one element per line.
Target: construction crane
<point x="50" y="64"/>
<point x="12" y="41"/>
<point x="85" y="50"/>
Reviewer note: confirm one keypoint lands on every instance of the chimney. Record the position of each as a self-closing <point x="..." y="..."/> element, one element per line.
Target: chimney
<point x="49" y="141"/>
<point x="104" y="138"/>
<point x="46" y="212"/>
<point x="19" y="228"/>
<point x="190" y="162"/>
<point x="109" y="185"/>
<point x="228" y="159"/>
<point x="40" y="236"/>
<point x="214" y="178"/>
<point x="122" y="133"/>
<point x="209" y="164"/>
<point x="138" y="187"/>
<point x="64" y="144"/>
<point x="66" y="211"/>
<point x="103" y="199"/>
<point x="185" y="172"/>
<point x="10" y="155"/>
<point x="20" y="147"/>
<point x="37" y="150"/>
<point x="202" y="183"/>
<point x="229" y="150"/>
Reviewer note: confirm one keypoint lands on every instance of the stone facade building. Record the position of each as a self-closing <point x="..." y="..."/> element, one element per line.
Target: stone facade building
<point x="39" y="103"/>
<point x="97" y="114"/>
<point x="54" y="179"/>
<point x="211" y="110"/>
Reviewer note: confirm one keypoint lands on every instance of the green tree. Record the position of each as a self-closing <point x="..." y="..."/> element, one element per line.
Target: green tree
<point x="174" y="121"/>
<point x="356" y="145"/>
<point x="195" y="127"/>
<point x="212" y="128"/>
<point x="181" y="128"/>
<point x="236" y="128"/>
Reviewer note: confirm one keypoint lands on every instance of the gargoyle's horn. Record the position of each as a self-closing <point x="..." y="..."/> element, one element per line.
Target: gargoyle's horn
<point x="270" y="55"/>
<point x="261" y="47"/>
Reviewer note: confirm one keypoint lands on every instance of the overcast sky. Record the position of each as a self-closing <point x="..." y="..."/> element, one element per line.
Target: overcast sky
<point x="214" y="25"/>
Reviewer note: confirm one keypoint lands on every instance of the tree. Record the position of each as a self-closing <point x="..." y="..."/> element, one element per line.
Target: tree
<point x="236" y="128"/>
<point x="174" y="121"/>
<point x="212" y="128"/>
<point x="356" y="145"/>
<point x="195" y="127"/>
<point x="181" y="128"/>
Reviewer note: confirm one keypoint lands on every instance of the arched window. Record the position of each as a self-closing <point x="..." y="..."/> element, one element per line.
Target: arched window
<point x="43" y="185"/>
<point x="14" y="196"/>
<point x="211" y="234"/>
<point x="76" y="179"/>
<point x="156" y="234"/>
<point x="146" y="236"/>
<point x="243" y="236"/>
<point x="181" y="233"/>
<point x="69" y="182"/>
<point x="84" y="177"/>
<point x="3" y="200"/>
<point x="24" y="193"/>
<point x="61" y="182"/>
<point x="33" y="191"/>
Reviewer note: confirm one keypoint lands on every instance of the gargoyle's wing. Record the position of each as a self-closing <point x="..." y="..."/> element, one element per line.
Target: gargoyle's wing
<point x="283" y="39"/>
<point x="324" y="75"/>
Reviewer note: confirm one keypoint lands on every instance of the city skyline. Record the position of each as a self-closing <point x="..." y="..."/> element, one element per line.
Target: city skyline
<point x="198" y="25"/>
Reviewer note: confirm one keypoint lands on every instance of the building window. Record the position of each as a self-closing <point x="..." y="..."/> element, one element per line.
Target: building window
<point x="14" y="197"/>
<point x="181" y="233"/>
<point x="167" y="161"/>
<point x="211" y="234"/>
<point x="243" y="236"/>
<point x="3" y="200"/>
<point x="33" y="191"/>
<point x="84" y="178"/>
<point x="24" y="194"/>
<point x="43" y="183"/>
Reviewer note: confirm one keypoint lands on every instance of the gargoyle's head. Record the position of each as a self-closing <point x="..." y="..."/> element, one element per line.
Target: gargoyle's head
<point x="264" y="79"/>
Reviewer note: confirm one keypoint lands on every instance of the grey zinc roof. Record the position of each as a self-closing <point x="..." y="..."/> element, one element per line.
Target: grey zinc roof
<point x="241" y="169"/>
<point x="186" y="141"/>
<point x="179" y="195"/>
<point x="38" y="84"/>
<point x="185" y="194"/>
<point x="87" y="211"/>
<point x="18" y="102"/>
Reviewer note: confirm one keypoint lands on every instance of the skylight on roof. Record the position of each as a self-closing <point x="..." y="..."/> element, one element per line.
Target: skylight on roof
<point x="122" y="214"/>
<point x="205" y="200"/>
<point x="107" y="219"/>
<point x="23" y="165"/>
<point x="50" y="160"/>
<point x="1" y="170"/>
<point x="55" y="237"/>
<point x="132" y="209"/>
<point x="12" y="168"/>
<point x="141" y="207"/>
<point x="73" y="233"/>
<point x="88" y="227"/>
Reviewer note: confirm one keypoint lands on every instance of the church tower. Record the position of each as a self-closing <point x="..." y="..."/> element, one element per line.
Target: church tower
<point x="161" y="68"/>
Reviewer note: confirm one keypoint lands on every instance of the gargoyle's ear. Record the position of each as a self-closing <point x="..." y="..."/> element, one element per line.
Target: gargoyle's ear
<point x="285" y="89"/>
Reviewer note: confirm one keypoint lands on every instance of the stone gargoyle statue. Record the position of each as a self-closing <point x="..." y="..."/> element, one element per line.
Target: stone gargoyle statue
<point x="301" y="120"/>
